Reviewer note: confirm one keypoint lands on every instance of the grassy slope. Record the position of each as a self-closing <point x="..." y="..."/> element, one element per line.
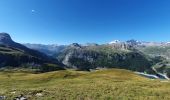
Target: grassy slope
<point x="156" y="50"/>
<point x="111" y="84"/>
<point x="8" y="50"/>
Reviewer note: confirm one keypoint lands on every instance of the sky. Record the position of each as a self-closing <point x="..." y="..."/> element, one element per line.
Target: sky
<point x="85" y="21"/>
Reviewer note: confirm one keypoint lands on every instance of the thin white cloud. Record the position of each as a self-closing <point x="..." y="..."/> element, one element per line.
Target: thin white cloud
<point x="32" y="10"/>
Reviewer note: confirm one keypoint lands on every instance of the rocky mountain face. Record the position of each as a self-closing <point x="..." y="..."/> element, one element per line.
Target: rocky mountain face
<point x="16" y="55"/>
<point x="104" y="56"/>
<point x="158" y="51"/>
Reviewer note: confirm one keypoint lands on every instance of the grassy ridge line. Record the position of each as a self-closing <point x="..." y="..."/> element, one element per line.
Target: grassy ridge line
<point x="114" y="84"/>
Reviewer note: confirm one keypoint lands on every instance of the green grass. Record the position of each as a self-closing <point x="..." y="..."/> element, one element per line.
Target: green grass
<point x="113" y="84"/>
<point x="8" y="50"/>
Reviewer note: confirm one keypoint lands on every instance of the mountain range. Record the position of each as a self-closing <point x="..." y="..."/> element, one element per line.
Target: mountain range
<point x="148" y="57"/>
<point x="55" y="48"/>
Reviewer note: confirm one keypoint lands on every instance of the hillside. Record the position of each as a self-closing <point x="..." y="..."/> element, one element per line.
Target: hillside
<point x="104" y="56"/>
<point x="13" y="55"/>
<point x="113" y="84"/>
<point x="161" y="52"/>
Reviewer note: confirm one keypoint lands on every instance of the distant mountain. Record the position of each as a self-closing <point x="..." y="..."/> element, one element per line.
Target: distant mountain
<point x="132" y="54"/>
<point x="92" y="55"/>
<point x="104" y="56"/>
<point x="140" y="43"/>
<point x="49" y="50"/>
<point x="16" y="55"/>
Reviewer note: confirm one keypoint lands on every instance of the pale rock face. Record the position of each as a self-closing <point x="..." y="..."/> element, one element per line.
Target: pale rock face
<point x="122" y="46"/>
<point x="116" y="44"/>
<point x="66" y="59"/>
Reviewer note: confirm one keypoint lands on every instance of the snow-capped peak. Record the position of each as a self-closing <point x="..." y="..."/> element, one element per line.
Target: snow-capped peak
<point x="115" y="41"/>
<point x="167" y="42"/>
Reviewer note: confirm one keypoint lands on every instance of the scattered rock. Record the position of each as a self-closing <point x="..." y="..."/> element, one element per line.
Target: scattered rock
<point x="2" y="97"/>
<point x="35" y="92"/>
<point x="39" y="94"/>
<point x="21" y="97"/>
<point x="13" y="92"/>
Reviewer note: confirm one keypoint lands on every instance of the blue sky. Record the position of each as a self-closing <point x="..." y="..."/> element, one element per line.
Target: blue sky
<point x="82" y="21"/>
